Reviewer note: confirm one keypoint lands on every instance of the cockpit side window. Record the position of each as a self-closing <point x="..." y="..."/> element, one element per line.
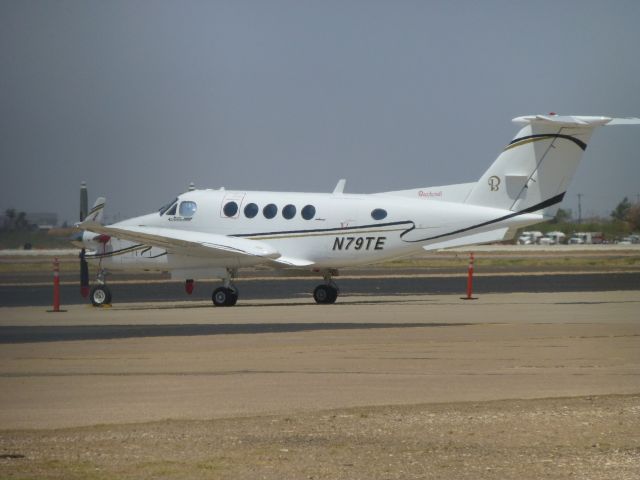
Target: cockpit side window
<point x="187" y="209"/>
<point x="172" y="210"/>
<point x="166" y="207"/>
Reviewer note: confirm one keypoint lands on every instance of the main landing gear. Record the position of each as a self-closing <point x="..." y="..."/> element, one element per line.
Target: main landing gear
<point x="326" y="293"/>
<point x="100" y="294"/>
<point x="227" y="295"/>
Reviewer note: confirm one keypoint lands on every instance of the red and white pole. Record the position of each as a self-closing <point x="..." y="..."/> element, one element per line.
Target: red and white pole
<point x="470" y="280"/>
<point x="56" y="285"/>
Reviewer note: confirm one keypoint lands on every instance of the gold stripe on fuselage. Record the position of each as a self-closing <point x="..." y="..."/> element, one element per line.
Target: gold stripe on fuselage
<point x="320" y="234"/>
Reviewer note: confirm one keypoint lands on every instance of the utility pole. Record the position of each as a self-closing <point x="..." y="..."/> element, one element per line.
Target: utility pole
<point x="580" y="208"/>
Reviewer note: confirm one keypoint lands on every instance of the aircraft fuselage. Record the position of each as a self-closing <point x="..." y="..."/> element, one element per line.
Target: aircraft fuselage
<point x="326" y="231"/>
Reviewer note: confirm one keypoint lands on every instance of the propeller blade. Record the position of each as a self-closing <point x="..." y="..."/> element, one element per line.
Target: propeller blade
<point x="84" y="275"/>
<point x="84" y="203"/>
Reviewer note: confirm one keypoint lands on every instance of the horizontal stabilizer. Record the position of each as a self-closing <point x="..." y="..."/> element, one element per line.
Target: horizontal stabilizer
<point x="574" y="120"/>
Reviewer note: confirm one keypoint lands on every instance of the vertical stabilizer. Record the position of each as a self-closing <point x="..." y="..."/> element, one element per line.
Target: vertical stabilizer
<point x="96" y="214"/>
<point x="533" y="172"/>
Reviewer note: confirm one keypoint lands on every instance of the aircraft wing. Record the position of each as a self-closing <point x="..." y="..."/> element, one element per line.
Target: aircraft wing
<point x="186" y="242"/>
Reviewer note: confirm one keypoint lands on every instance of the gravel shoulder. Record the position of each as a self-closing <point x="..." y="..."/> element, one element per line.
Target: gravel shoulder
<point x="563" y="438"/>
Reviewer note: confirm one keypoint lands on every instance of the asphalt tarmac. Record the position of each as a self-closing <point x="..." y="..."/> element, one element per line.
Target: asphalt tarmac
<point x="41" y="293"/>
<point x="142" y="362"/>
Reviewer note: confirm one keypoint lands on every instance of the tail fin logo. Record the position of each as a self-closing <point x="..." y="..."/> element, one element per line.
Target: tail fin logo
<point x="494" y="183"/>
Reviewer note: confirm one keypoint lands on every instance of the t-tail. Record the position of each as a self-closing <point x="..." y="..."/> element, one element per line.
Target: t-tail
<point x="533" y="172"/>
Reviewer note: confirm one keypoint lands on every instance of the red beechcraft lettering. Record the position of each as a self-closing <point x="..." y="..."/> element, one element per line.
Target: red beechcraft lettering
<point x="424" y="194"/>
<point x="215" y="233"/>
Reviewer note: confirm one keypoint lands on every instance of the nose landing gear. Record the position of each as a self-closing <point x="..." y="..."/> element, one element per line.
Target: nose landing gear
<point x="100" y="294"/>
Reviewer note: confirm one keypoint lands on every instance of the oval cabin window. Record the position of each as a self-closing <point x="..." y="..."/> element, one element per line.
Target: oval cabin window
<point x="289" y="211"/>
<point x="308" y="212"/>
<point x="270" y="211"/>
<point x="251" y="210"/>
<point x="230" y="209"/>
<point x="379" y="214"/>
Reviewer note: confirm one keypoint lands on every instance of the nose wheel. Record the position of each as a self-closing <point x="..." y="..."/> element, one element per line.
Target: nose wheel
<point x="100" y="294"/>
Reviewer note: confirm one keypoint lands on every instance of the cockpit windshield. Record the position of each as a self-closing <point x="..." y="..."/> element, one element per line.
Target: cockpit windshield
<point x="187" y="209"/>
<point x="166" y="207"/>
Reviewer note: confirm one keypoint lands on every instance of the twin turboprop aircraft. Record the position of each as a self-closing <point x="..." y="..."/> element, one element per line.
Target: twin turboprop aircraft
<point x="213" y="233"/>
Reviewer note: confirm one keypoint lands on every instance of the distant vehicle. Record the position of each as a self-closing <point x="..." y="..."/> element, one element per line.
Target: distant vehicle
<point x="580" y="238"/>
<point x="529" y="238"/>
<point x="576" y="239"/>
<point x="630" y="240"/>
<point x="552" y="238"/>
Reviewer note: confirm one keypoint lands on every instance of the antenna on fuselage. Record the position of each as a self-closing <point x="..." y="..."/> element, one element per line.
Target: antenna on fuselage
<point x="340" y="186"/>
<point x="192" y="187"/>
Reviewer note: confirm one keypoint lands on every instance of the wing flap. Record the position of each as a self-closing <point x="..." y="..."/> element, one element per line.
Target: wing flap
<point x="293" y="262"/>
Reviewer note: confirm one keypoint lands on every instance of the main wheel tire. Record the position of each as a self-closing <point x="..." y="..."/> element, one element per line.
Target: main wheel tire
<point x="325" y="294"/>
<point x="233" y="297"/>
<point x="333" y="294"/>
<point x="224" y="297"/>
<point x="100" y="295"/>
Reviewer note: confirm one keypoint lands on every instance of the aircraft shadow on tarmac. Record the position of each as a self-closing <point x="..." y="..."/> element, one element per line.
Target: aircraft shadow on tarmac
<point x="38" y="334"/>
<point x="361" y="301"/>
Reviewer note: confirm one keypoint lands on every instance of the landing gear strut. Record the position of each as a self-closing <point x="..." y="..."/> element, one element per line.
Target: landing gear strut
<point x="326" y="293"/>
<point x="100" y="294"/>
<point x="227" y="295"/>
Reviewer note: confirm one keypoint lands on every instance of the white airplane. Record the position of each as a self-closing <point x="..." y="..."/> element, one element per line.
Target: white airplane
<point x="213" y="233"/>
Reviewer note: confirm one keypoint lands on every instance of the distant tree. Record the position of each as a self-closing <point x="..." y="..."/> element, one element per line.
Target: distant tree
<point x="10" y="213"/>
<point x="15" y="221"/>
<point x="21" y="222"/>
<point x="620" y="212"/>
<point x="633" y="216"/>
<point x="562" y="216"/>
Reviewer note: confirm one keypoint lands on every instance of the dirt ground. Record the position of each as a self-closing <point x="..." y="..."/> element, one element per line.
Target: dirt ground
<point x="567" y="438"/>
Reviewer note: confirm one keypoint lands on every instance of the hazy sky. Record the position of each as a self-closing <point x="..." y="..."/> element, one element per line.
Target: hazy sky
<point x="139" y="98"/>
